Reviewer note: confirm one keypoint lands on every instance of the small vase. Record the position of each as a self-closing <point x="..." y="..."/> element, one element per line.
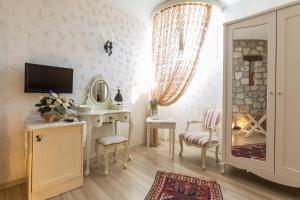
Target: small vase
<point x="154" y="114"/>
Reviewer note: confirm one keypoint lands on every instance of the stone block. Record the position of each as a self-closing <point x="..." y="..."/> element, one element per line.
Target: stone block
<point x="254" y="52"/>
<point x="235" y="61"/>
<point x="236" y="84"/>
<point x="262" y="42"/>
<point x="239" y="96"/>
<point x="252" y="44"/>
<point x="239" y="49"/>
<point x="238" y="75"/>
<point x="245" y="81"/>
<point x="257" y="105"/>
<point x="246" y="63"/>
<point x="245" y="74"/>
<point x="238" y="102"/>
<point x="245" y="68"/>
<point x="235" y="109"/>
<point x="258" y="75"/>
<point x="261" y="99"/>
<point x="244" y="109"/>
<point x="259" y="82"/>
<point x="259" y="48"/>
<point x="248" y="101"/>
<point x="262" y="93"/>
<point x="258" y="64"/>
<point x="246" y="50"/>
<point x="237" y="55"/>
<point x="242" y="43"/>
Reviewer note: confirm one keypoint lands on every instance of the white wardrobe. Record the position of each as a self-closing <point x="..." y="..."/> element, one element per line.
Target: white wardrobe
<point x="262" y="95"/>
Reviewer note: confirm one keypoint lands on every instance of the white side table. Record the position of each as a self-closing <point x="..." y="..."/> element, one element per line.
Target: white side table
<point x="162" y="124"/>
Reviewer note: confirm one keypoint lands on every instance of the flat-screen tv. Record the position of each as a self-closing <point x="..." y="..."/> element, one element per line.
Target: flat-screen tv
<point x="43" y="79"/>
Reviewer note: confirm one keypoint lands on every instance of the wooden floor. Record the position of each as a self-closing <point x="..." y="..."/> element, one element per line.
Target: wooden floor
<point x="240" y="139"/>
<point x="134" y="182"/>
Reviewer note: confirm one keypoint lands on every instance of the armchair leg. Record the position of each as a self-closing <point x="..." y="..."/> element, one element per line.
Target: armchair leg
<point x="217" y="153"/>
<point x="203" y="158"/>
<point x="181" y="147"/>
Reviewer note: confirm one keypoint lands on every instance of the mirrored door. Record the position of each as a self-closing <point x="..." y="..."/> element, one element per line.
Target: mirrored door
<point x="250" y="91"/>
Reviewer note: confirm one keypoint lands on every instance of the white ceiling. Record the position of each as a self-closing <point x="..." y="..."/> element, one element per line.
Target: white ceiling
<point x="143" y="8"/>
<point x="226" y="3"/>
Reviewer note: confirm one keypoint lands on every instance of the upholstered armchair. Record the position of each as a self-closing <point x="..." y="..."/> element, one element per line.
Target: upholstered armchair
<point x="205" y="138"/>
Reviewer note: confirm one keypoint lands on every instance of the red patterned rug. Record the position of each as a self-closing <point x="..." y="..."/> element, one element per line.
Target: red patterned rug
<point x="254" y="151"/>
<point x="180" y="187"/>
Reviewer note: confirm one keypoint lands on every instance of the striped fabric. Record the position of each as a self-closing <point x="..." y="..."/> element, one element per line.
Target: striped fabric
<point x="198" y="138"/>
<point x="211" y="118"/>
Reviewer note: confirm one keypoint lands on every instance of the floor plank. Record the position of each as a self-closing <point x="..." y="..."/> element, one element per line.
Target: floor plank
<point x="135" y="181"/>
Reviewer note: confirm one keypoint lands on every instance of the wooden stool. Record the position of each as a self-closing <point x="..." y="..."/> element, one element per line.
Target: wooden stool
<point x="111" y="141"/>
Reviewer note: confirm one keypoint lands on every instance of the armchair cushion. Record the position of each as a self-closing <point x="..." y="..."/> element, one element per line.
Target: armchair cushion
<point x="198" y="138"/>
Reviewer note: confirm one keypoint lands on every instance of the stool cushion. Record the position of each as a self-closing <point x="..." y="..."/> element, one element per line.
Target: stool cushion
<point x="198" y="138"/>
<point x="115" y="139"/>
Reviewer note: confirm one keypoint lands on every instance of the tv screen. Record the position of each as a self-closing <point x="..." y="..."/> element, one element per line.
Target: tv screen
<point x="42" y="79"/>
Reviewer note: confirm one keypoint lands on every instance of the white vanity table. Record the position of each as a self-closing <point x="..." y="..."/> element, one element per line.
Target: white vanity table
<point x="99" y="111"/>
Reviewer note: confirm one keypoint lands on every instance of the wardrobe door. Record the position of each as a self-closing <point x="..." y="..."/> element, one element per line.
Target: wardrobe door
<point x="250" y="88"/>
<point x="288" y="94"/>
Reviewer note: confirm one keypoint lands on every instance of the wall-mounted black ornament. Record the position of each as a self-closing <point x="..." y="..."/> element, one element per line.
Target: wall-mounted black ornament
<point x="108" y="47"/>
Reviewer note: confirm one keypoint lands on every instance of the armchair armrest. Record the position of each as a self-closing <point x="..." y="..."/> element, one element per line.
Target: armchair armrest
<point x="192" y="122"/>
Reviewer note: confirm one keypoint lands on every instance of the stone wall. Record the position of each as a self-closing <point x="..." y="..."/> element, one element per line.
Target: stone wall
<point x="249" y="98"/>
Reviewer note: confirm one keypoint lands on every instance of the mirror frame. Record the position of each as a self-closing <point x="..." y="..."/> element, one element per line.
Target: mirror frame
<point x="90" y="99"/>
<point x="91" y="90"/>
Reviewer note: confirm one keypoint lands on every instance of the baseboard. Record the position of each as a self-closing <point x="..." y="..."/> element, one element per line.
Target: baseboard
<point x="13" y="183"/>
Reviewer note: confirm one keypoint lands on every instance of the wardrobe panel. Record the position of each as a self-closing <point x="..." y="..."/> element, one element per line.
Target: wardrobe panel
<point x="288" y="93"/>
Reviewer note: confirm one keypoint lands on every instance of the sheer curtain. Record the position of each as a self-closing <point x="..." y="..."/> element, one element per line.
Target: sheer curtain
<point x="178" y="35"/>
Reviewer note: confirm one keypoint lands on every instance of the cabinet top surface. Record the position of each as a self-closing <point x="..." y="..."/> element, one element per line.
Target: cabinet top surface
<point x="103" y="112"/>
<point x="35" y="124"/>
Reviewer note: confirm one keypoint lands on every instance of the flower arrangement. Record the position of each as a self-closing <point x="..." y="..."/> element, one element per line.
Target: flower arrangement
<point x="154" y="108"/>
<point x="53" y="107"/>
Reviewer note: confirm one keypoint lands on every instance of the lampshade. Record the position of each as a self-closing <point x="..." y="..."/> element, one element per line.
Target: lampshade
<point x="118" y="97"/>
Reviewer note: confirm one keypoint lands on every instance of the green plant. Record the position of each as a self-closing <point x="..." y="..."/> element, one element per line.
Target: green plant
<point x="52" y="103"/>
<point x="153" y="104"/>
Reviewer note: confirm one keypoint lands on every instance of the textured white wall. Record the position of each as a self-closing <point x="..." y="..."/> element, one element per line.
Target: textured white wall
<point x="67" y="33"/>
<point x="249" y="7"/>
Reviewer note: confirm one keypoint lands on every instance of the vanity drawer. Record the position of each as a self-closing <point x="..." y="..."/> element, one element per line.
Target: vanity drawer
<point x="124" y="117"/>
<point x="108" y="118"/>
<point x="97" y="121"/>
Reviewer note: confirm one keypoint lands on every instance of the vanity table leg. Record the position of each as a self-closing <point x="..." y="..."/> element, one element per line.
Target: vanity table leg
<point x="88" y="148"/>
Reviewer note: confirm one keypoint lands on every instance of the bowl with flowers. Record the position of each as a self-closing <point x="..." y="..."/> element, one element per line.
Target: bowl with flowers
<point x="53" y="107"/>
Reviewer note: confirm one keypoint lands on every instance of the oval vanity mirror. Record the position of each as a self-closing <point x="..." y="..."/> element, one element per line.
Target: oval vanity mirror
<point x="99" y="91"/>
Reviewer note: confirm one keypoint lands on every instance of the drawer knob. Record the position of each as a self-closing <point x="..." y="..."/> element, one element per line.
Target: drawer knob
<point x="125" y="117"/>
<point x="110" y="118"/>
<point x="38" y="138"/>
<point x="98" y="120"/>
